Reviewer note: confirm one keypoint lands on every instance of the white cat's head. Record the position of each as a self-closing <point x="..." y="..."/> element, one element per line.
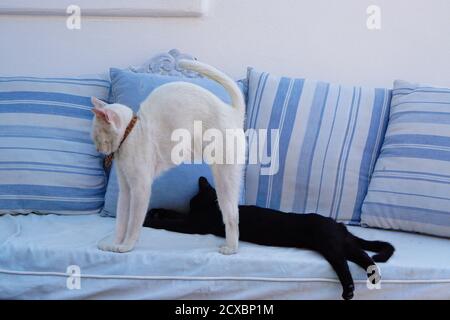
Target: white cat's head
<point x="109" y="125"/>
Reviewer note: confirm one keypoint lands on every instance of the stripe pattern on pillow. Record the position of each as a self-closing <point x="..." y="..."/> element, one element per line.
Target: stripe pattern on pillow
<point x="410" y="187"/>
<point x="329" y="137"/>
<point x="48" y="162"/>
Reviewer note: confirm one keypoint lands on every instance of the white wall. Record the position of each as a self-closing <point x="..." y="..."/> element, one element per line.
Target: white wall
<point x="320" y="39"/>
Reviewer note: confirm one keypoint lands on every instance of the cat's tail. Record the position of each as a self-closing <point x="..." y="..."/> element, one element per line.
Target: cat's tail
<point x="384" y="250"/>
<point x="237" y="99"/>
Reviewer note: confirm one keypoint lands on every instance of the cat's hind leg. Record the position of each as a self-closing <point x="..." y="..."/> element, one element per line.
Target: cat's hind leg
<point x="227" y="180"/>
<point x="340" y="266"/>
<point x="362" y="259"/>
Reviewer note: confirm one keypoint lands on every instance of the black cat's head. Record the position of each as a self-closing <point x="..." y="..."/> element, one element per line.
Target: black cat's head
<point x="206" y="198"/>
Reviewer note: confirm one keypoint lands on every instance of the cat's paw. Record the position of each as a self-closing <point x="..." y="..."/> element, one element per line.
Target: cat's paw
<point x="106" y="245"/>
<point x="226" y="250"/>
<point x="349" y="292"/>
<point x="122" y="248"/>
<point x="114" y="247"/>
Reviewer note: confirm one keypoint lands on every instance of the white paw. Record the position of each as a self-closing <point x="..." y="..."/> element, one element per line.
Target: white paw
<point x="227" y="250"/>
<point x="113" y="247"/>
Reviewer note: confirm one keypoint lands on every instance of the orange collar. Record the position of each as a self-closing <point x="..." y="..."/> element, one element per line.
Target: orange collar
<point x="107" y="162"/>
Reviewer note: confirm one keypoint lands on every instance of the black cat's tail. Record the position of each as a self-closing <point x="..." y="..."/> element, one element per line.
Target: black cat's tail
<point x="384" y="250"/>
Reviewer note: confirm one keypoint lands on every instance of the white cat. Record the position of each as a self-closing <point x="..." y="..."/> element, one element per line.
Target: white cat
<point x="146" y="151"/>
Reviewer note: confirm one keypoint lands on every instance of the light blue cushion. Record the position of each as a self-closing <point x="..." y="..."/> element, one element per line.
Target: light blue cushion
<point x="35" y="264"/>
<point x="410" y="187"/>
<point x="330" y="136"/>
<point x="48" y="161"/>
<point x="175" y="188"/>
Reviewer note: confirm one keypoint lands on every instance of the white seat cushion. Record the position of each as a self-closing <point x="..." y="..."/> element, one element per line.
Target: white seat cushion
<point x="37" y="250"/>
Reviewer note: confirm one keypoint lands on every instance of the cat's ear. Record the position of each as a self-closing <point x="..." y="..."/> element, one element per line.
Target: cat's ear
<point x="99" y="109"/>
<point x="101" y="113"/>
<point x="107" y="115"/>
<point x="97" y="103"/>
<point x="113" y="118"/>
<point x="203" y="183"/>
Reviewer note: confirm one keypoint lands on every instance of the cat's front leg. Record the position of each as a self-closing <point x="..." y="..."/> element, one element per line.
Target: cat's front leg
<point x="113" y="243"/>
<point x="123" y="208"/>
<point x="140" y="196"/>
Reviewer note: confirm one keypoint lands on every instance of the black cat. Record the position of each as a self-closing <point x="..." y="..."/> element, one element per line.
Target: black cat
<point x="274" y="228"/>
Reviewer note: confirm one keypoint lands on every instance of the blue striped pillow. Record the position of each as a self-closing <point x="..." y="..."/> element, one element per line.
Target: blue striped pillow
<point x="410" y="187"/>
<point x="329" y="139"/>
<point x="48" y="162"/>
